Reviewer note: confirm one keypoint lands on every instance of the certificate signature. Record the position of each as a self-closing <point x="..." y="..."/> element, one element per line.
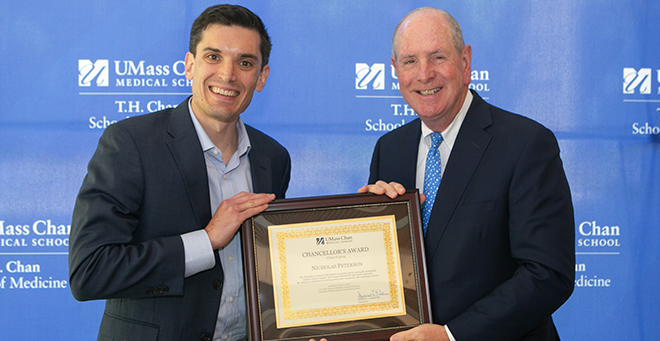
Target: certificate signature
<point x="371" y="295"/>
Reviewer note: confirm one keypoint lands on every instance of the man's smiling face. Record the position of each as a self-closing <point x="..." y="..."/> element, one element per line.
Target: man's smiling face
<point x="433" y="75"/>
<point x="226" y="70"/>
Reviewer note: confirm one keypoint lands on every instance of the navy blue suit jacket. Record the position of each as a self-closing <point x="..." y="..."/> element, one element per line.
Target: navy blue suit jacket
<point x="500" y="244"/>
<point x="146" y="185"/>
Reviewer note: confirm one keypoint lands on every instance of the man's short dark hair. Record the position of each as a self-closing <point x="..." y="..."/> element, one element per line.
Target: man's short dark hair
<point x="230" y="15"/>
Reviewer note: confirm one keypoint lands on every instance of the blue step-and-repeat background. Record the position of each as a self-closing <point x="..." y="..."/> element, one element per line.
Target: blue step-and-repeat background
<point x="588" y="70"/>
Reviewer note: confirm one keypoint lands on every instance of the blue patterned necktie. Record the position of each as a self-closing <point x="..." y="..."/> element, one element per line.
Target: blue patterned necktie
<point x="431" y="177"/>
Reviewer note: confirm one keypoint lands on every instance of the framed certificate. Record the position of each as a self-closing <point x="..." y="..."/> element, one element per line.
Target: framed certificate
<point x="347" y="267"/>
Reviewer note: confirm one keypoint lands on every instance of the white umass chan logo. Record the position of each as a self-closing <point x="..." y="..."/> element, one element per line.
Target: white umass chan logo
<point x="364" y="74"/>
<point x="632" y="79"/>
<point x="87" y="71"/>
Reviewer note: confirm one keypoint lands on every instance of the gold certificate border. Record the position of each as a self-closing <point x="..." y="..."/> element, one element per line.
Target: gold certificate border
<point x="346" y="226"/>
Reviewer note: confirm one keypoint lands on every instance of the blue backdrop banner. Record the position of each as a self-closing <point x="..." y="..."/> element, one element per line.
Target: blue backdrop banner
<point x="588" y="70"/>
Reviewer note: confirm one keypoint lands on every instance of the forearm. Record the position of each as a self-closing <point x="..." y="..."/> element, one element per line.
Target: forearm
<point x="125" y="271"/>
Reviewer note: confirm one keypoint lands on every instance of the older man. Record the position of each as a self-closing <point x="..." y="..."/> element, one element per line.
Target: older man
<point x="498" y="216"/>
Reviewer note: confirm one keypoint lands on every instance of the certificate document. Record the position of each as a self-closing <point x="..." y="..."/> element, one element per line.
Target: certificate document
<point x="337" y="270"/>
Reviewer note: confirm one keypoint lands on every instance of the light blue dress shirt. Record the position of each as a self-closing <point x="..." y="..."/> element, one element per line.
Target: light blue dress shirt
<point x="225" y="181"/>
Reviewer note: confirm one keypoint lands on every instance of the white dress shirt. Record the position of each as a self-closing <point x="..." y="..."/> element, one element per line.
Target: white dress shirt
<point x="448" y="138"/>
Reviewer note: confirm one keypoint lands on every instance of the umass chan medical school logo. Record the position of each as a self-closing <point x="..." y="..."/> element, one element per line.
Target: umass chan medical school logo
<point x="377" y="75"/>
<point x="639" y="81"/>
<point x="129" y="73"/>
<point x="365" y="75"/>
<point x="97" y="71"/>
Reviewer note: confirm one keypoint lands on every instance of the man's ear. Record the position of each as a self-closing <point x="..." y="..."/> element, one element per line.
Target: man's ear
<point x="263" y="76"/>
<point x="466" y="59"/>
<point x="190" y="66"/>
<point x="394" y="64"/>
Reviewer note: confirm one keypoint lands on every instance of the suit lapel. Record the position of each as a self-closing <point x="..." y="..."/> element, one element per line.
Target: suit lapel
<point x="470" y="145"/>
<point x="409" y="147"/>
<point x="260" y="166"/>
<point x="187" y="151"/>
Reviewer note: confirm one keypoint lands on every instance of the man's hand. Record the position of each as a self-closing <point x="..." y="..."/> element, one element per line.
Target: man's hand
<point x="392" y="189"/>
<point x="426" y="331"/>
<point x="231" y="214"/>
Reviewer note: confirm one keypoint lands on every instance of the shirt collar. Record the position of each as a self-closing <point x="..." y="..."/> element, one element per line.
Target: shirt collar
<point x="243" y="140"/>
<point x="449" y="135"/>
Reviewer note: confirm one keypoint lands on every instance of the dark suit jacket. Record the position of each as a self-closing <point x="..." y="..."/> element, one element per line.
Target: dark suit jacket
<point x="146" y="185"/>
<point x="500" y="244"/>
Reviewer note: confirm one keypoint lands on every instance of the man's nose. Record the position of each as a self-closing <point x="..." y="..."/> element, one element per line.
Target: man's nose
<point x="426" y="72"/>
<point x="226" y="71"/>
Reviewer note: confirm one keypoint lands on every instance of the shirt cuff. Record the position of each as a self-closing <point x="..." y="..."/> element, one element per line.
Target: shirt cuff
<point x="451" y="337"/>
<point x="198" y="251"/>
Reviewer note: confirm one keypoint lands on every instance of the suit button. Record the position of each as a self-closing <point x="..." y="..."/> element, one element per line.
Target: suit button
<point x="205" y="337"/>
<point x="150" y="291"/>
<point x="217" y="284"/>
<point x="166" y="289"/>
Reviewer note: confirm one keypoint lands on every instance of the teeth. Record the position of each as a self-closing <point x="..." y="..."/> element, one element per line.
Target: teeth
<point x="223" y="92"/>
<point x="429" y="92"/>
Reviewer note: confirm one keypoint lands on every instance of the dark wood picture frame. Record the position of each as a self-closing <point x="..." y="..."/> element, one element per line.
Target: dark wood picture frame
<point x="259" y="289"/>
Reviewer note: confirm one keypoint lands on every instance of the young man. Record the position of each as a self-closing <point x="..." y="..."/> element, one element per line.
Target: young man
<point x="144" y="234"/>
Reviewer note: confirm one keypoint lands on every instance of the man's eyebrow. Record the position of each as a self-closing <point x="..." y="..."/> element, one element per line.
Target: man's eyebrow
<point x="249" y="56"/>
<point x="210" y="49"/>
<point x="440" y="50"/>
<point x="242" y="55"/>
